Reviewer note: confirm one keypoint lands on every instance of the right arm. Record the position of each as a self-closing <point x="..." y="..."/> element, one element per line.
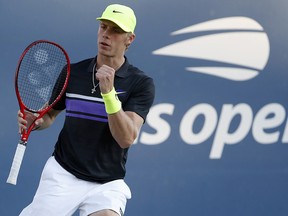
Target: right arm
<point x="40" y="124"/>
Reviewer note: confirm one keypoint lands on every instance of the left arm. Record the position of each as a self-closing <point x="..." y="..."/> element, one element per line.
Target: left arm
<point x="124" y="126"/>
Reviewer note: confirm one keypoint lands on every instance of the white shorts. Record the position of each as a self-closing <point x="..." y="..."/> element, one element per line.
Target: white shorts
<point x="61" y="193"/>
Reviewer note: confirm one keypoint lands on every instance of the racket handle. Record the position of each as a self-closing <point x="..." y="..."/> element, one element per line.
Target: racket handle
<point x="16" y="164"/>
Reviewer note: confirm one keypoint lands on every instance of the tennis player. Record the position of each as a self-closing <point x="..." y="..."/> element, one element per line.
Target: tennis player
<point x="106" y="103"/>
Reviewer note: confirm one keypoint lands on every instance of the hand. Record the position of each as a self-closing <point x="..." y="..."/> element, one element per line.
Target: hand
<point x="29" y="119"/>
<point x="105" y="76"/>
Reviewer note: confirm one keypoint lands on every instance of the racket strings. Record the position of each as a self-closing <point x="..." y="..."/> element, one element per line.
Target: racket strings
<point x="41" y="76"/>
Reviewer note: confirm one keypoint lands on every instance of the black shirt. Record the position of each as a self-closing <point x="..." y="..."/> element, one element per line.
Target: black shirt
<point x="85" y="146"/>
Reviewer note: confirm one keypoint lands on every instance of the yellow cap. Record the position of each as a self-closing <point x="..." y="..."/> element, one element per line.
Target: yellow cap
<point x="121" y="15"/>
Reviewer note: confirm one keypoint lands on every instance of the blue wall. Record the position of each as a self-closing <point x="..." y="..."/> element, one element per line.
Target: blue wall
<point x="216" y="139"/>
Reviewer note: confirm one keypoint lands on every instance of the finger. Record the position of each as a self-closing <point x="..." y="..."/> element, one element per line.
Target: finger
<point x="21" y="122"/>
<point x="21" y="128"/>
<point x="39" y="121"/>
<point x="20" y="114"/>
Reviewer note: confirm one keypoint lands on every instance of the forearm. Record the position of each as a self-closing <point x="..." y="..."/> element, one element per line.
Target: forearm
<point x="124" y="127"/>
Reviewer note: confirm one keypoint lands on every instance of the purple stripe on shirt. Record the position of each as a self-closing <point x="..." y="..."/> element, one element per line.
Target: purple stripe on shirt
<point x="86" y="107"/>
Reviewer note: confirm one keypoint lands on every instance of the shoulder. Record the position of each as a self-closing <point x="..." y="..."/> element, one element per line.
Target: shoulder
<point x="85" y="65"/>
<point x="140" y="76"/>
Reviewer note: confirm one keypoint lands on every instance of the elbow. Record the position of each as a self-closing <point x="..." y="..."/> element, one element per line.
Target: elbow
<point x="128" y="141"/>
<point x="125" y="145"/>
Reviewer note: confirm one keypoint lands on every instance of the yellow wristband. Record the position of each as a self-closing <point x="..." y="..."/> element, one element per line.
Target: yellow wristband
<point x="111" y="101"/>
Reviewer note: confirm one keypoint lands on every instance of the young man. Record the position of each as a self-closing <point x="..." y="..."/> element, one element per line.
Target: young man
<point x="106" y="102"/>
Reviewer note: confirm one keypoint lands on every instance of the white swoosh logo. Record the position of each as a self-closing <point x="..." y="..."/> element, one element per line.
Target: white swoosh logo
<point x="246" y="51"/>
<point x="120" y="92"/>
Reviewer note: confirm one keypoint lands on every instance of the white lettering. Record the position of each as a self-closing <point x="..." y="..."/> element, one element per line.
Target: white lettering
<point x="222" y="135"/>
<point x="210" y="122"/>
<point x="161" y="126"/>
<point x="285" y="133"/>
<point x="269" y="117"/>
<point x="231" y="127"/>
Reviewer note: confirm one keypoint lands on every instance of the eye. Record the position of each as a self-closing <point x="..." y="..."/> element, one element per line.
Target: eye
<point x="103" y="26"/>
<point x="118" y="30"/>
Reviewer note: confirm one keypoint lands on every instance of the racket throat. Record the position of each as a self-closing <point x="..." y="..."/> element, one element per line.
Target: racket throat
<point x="24" y="139"/>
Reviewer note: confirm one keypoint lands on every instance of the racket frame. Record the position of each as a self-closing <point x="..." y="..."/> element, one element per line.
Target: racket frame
<point x="25" y="133"/>
<point x="21" y="147"/>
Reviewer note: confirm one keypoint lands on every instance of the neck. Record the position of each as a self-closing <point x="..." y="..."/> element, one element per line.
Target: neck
<point x="115" y="63"/>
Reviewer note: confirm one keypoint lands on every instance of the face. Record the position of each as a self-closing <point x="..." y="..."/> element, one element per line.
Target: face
<point x="112" y="40"/>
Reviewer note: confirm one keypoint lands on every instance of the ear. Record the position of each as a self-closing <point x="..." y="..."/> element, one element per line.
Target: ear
<point x="131" y="37"/>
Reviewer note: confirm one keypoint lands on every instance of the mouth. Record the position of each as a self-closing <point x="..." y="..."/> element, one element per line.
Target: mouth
<point x="104" y="44"/>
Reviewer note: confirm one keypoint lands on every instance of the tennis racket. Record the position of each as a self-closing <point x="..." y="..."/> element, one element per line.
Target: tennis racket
<point x="41" y="78"/>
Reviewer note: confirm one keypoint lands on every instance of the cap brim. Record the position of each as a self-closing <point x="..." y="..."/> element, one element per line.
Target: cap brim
<point x="124" y="28"/>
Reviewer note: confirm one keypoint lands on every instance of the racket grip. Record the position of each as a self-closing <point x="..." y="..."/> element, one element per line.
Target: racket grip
<point x="16" y="164"/>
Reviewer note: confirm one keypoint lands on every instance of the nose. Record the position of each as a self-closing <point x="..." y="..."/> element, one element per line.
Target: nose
<point x="106" y="33"/>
